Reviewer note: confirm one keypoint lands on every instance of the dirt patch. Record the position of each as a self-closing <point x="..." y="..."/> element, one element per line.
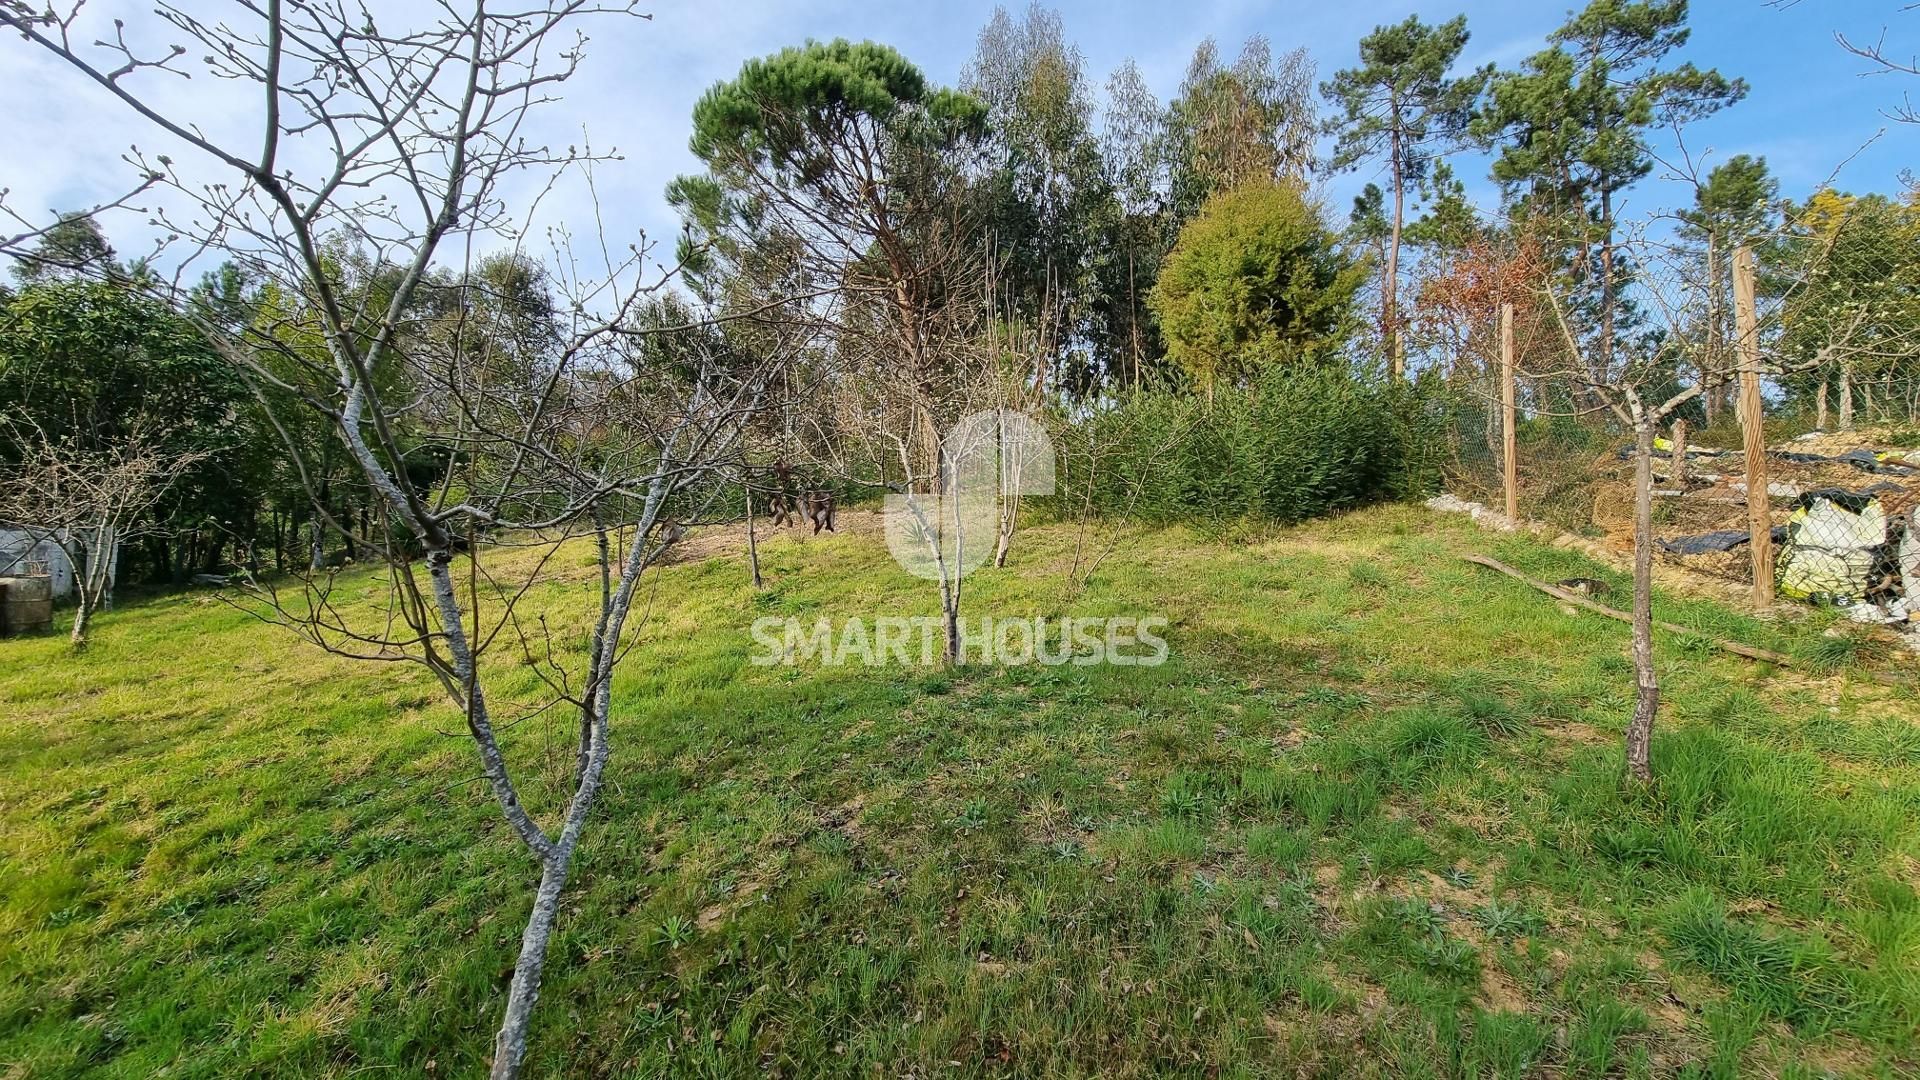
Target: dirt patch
<point x="729" y="539"/>
<point x="1574" y="732"/>
<point x="1497" y="992"/>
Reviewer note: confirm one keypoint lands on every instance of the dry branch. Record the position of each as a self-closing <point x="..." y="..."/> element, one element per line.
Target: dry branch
<point x="1574" y="598"/>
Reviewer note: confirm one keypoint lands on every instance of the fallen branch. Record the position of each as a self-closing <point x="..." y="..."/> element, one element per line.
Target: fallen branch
<point x="1574" y="598"/>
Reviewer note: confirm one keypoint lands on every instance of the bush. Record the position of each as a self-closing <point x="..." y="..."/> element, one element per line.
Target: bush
<point x="1255" y="279"/>
<point x="1301" y="441"/>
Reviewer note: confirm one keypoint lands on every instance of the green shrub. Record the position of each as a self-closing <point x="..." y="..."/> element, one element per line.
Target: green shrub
<point x="1299" y="442"/>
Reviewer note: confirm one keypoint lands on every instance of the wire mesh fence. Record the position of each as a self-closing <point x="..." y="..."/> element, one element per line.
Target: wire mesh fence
<point x="1812" y="326"/>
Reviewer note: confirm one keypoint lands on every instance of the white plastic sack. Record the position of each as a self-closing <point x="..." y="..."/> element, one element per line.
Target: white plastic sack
<point x="1830" y="550"/>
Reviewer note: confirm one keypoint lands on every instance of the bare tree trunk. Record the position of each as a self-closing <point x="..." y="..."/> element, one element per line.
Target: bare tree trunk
<point x="950" y="575"/>
<point x="590" y="705"/>
<point x="1606" y="282"/>
<point x="1679" y="468"/>
<point x="1133" y="313"/>
<point x="1646" y="680"/>
<point x="1396" y="351"/>
<point x="950" y="620"/>
<point x="1846" y="396"/>
<point x="1012" y="469"/>
<point x="87" y="582"/>
<point x="510" y="1046"/>
<point x="1820" y="407"/>
<point x="753" y="545"/>
<point x="109" y="546"/>
<point x="82" y="613"/>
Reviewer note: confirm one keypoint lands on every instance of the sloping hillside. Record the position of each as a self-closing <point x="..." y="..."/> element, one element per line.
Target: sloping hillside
<point x="1366" y="818"/>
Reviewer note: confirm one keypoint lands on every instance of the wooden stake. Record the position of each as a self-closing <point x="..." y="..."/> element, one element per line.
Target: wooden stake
<point x="1752" y="426"/>
<point x="1509" y="456"/>
<point x="753" y="547"/>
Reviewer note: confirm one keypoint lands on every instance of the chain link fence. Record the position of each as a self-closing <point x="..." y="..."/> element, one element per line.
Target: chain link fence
<point x="1822" y="307"/>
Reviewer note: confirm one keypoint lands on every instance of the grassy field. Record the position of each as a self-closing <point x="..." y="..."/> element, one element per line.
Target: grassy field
<point x="1367" y="820"/>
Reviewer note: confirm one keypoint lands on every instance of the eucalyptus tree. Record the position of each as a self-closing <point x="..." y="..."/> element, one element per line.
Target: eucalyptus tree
<point x="1048" y="197"/>
<point x="1401" y="105"/>
<point x="1250" y="121"/>
<point x="406" y="138"/>
<point x="1133" y="151"/>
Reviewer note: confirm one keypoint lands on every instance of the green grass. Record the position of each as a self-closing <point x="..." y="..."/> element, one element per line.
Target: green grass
<point x="1368" y="818"/>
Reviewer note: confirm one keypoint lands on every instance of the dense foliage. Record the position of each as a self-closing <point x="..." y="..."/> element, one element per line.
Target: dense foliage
<point x="92" y="365"/>
<point x="1255" y="279"/>
<point x="1138" y="243"/>
<point x="1295" y="443"/>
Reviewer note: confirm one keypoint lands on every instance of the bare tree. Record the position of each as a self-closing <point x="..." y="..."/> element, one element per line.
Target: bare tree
<point x="1885" y="60"/>
<point x="87" y="502"/>
<point x="1640" y="389"/>
<point x="408" y="143"/>
<point x="894" y="429"/>
<point x="1017" y="346"/>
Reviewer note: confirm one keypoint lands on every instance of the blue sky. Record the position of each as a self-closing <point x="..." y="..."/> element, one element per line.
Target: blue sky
<point x="1808" y="111"/>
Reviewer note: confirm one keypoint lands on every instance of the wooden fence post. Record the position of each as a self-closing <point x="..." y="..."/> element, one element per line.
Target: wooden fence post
<point x="1510" y="463"/>
<point x="1752" y="426"/>
<point x="1679" y="465"/>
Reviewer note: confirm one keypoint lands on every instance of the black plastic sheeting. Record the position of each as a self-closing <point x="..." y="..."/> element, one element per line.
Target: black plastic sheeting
<point x="1862" y="459"/>
<point x="1723" y="540"/>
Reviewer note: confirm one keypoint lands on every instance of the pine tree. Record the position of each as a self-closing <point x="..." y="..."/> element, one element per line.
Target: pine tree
<point x="1400" y="104"/>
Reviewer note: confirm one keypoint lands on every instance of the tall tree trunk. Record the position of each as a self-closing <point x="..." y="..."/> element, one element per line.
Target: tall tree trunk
<point x="1606" y="281"/>
<point x="1396" y="351"/>
<point x="1646" y="680"/>
<point x="1133" y="311"/>
<point x="1820" y="407"/>
<point x="1846" y="395"/>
